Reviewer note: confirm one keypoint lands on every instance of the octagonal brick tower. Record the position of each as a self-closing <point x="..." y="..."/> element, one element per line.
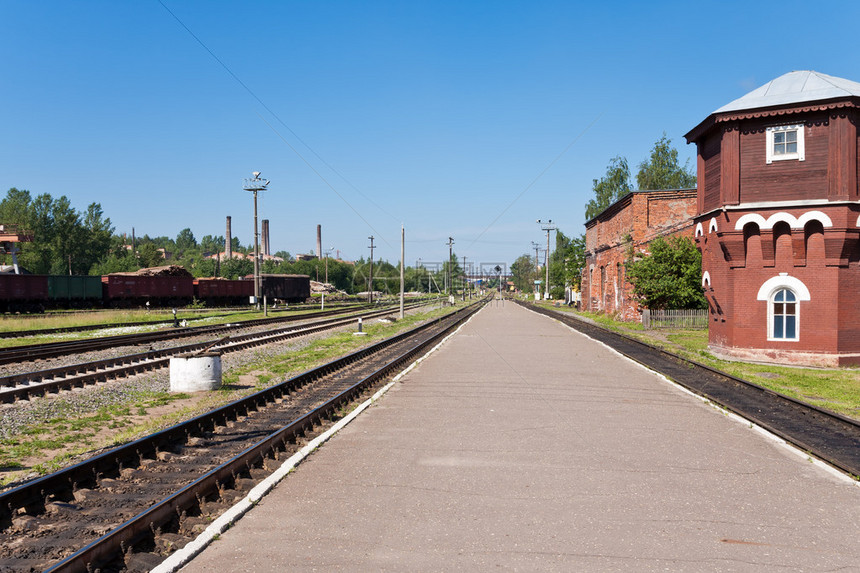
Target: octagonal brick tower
<point x="777" y="221"/>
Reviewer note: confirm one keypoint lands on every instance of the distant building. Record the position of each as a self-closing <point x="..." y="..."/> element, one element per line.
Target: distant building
<point x="622" y="229"/>
<point x="778" y="221"/>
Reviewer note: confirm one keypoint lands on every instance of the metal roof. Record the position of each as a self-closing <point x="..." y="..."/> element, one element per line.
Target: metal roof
<point x="795" y="87"/>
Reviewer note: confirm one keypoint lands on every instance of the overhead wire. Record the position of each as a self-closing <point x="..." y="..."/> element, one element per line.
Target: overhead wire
<point x="273" y="114"/>
<point x="535" y="180"/>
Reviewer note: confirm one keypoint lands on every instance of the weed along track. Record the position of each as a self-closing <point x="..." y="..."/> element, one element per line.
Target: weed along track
<point x="33" y="352"/>
<point x="28" y="385"/>
<point x="129" y="507"/>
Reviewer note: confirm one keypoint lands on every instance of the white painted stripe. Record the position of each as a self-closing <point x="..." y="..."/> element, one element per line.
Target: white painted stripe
<point x="184" y="556"/>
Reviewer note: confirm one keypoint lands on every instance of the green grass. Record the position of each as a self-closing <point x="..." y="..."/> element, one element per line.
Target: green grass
<point x="55" y="443"/>
<point x="71" y="433"/>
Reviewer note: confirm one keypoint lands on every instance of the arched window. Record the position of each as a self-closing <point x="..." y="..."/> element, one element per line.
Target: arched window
<point x="783" y="315"/>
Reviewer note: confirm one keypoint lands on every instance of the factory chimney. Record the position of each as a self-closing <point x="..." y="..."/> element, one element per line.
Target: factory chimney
<point x="228" y="242"/>
<point x="319" y="242"/>
<point x="266" y="237"/>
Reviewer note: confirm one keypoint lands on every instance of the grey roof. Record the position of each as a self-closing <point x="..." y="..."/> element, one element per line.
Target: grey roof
<point x="795" y="87"/>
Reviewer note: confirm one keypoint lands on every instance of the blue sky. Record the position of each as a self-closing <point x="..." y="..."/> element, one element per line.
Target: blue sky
<point x="454" y="118"/>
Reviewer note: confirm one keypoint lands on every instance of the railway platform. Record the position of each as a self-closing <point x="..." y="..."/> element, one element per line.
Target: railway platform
<point x="523" y="445"/>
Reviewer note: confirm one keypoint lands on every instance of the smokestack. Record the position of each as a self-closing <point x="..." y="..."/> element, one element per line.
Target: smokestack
<point x="228" y="242"/>
<point x="319" y="241"/>
<point x="266" y="237"/>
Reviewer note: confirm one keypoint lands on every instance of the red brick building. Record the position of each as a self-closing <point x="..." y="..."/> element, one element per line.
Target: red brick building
<point x="625" y="227"/>
<point x="778" y="221"/>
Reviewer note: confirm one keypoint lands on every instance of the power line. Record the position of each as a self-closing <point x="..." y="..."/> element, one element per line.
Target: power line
<point x="254" y="95"/>
<point x="535" y="180"/>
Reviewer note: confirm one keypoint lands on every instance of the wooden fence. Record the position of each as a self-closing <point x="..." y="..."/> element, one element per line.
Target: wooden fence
<point x="684" y="318"/>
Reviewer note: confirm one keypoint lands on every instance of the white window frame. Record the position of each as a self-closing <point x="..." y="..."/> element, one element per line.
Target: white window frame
<point x="770" y="321"/>
<point x="800" y="155"/>
<point x="768" y="291"/>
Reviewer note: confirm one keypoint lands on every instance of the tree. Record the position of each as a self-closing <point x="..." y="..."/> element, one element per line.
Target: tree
<point x="611" y="187"/>
<point x="185" y="240"/>
<point x="662" y="171"/>
<point x="148" y="255"/>
<point x="669" y="277"/>
<point x="210" y="244"/>
<point x="523" y="273"/>
<point x="99" y="235"/>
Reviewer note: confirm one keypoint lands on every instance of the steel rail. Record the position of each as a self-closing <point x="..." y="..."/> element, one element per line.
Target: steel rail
<point x="117" y="543"/>
<point x="85" y="327"/>
<point x="28" y="385"/>
<point x="31" y="496"/>
<point x="41" y="351"/>
<point x="829" y="436"/>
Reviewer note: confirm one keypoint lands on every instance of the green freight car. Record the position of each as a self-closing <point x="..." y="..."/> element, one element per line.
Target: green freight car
<point x="67" y="291"/>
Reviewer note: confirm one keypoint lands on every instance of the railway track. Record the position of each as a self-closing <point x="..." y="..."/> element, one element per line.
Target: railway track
<point x="54" y="349"/>
<point x="34" y="384"/>
<point x="84" y="328"/>
<point x="127" y="508"/>
<point x="826" y="435"/>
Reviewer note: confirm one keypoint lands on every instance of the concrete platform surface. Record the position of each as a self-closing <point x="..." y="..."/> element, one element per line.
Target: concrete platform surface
<point x="521" y="445"/>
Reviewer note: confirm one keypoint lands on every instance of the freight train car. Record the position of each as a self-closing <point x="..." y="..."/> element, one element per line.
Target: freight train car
<point x="221" y="292"/>
<point x="23" y="293"/>
<point x="287" y="288"/>
<point x="126" y="289"/>
<point x="74" y="291"/>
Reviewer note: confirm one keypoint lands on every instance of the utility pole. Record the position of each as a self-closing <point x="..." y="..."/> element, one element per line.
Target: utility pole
<point x="402" y="267"/>
<point x="536" y="247"/>
<point x="449" y="274"/>
<point x="547" y="226"/>
<point x="466" y="278"/>
<point x="254" y="185"/>
<point x="370" y="296"/>
<point x="327" y="253"/>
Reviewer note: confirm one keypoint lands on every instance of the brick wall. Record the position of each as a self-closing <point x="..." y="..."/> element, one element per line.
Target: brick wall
<point x="623" y="228"/>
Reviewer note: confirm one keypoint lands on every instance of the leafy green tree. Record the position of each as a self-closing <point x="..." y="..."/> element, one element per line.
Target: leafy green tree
<point x="148" y="255"/>
<point x="212" y="245"/>
<point x="662" y="171"/>
<point x="523" y="273"/>
<point x="565" y="263"/>
<point x="203" y="268"/>
<point x="99" y="233"/>
<point x="116" y="262"/>
<point x="611" y="187"/>
<point x="669" y="277"/>
<point x="235" y="268"/>
<point x="185" y="241"/>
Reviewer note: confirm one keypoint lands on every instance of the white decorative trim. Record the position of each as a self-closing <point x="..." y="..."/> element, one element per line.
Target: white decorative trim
<point x="799" y="155"/>
<point x="700" y="232"/>
<point x="706" y="279"/>
<point x="782" y="216"/>
<point x="750" y="218"/>
<point x="712" y="225"/>
<point x="772" y="285"/>
<point x="780" y="205"/>
<point x="814" y="216"/>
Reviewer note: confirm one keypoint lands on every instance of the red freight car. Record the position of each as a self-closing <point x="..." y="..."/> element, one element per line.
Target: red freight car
<point x="23" y="293"/>
<point x="223" y="291"/>
<point x="125" y="289"/>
